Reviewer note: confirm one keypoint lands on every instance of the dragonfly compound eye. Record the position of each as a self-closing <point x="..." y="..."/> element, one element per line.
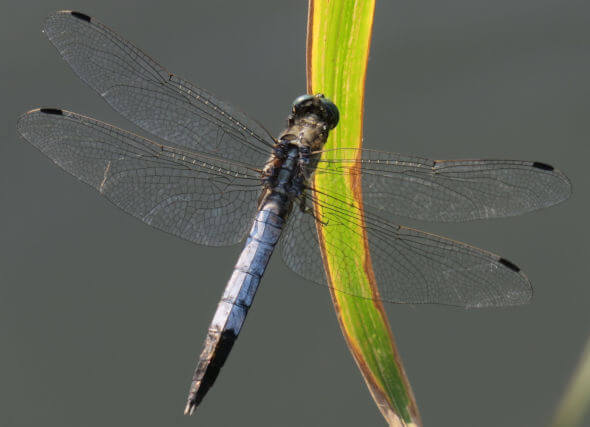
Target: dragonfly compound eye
<point x="319" y="105"/>
<point x="301" y="102"/>
<point x="332" y="113"/>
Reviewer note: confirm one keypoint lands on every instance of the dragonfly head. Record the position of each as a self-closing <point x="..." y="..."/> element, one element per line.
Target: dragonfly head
<point x="319" y="105"/>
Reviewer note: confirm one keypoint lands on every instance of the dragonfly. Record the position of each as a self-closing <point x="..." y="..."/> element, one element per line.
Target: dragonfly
<point x="214" y="176"/>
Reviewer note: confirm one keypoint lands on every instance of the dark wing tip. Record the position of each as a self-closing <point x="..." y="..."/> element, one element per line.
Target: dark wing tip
<point x="81" y="16"/>
<point x="543" y="166"/>
<point x="509" y="264"/>
<point x="55" y="111"/>
<point x="565" y="190"/>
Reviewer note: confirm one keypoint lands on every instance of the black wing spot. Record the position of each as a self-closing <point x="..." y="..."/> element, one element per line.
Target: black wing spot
<point x="55" y="111"/>
<point x="509" y="264"/>
<point x="543" y="166"/>
<point x="81" y="16"/>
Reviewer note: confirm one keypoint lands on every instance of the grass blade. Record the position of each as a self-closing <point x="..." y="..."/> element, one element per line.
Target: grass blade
<point x="338" y="42"/>
<point x="576" y="400"/>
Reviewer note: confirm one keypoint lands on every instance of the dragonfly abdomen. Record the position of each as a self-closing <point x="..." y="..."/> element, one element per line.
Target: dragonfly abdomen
<point x="284" y="178"/>
<point x="236" y="300"/>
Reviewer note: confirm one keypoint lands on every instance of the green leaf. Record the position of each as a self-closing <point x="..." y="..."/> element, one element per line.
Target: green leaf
<point x="576" y="400"/>
<point x="338" y="42"/>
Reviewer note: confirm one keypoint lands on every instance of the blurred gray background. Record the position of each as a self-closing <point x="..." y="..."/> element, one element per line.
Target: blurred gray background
<point x="102" y="318"/>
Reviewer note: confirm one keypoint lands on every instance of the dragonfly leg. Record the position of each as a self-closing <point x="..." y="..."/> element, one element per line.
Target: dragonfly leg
<point x="309" y="210"/>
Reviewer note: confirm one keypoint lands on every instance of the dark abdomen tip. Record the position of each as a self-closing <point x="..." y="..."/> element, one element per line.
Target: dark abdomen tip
<point x="509" y="264"/>
<point x="55" y="111"/>
<point x="543" y="166"/>
<point x="81" y="16"/>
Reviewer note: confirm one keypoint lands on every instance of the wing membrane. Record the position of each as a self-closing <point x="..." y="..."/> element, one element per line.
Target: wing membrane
<point x="410" y="266"/>
<point x="449" y="190"/>
<point x="198" y="197"/>
<point x="150" y="96"/>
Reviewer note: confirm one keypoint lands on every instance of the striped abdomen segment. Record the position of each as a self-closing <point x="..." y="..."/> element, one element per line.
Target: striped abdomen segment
<point x="237" y="299"/>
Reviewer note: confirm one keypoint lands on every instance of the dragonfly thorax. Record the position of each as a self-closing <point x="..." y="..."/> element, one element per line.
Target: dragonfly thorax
<point x="311" y="119"/>
<point x="297" y="149"/>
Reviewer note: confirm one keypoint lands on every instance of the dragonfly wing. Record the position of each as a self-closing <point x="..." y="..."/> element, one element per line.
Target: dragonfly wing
<point x="410" y="266"/>
<point x="150" y="96"/>
<point x="449" y="190"/>
<point x="198" y="197"/>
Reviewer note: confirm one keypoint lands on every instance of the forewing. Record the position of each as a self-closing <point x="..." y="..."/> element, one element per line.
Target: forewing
<point x="198" y="197"/>
<point x="410" y="266"/>
<point x="150" y="96"/>
<point x="449" y="190"/>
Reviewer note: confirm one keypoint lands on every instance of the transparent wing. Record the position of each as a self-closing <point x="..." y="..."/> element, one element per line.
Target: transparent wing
<point x="410" y="266"/>
<point x="197" y="197"/>
<point x="449" y="190"/>
<point x="150" y="96"/>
